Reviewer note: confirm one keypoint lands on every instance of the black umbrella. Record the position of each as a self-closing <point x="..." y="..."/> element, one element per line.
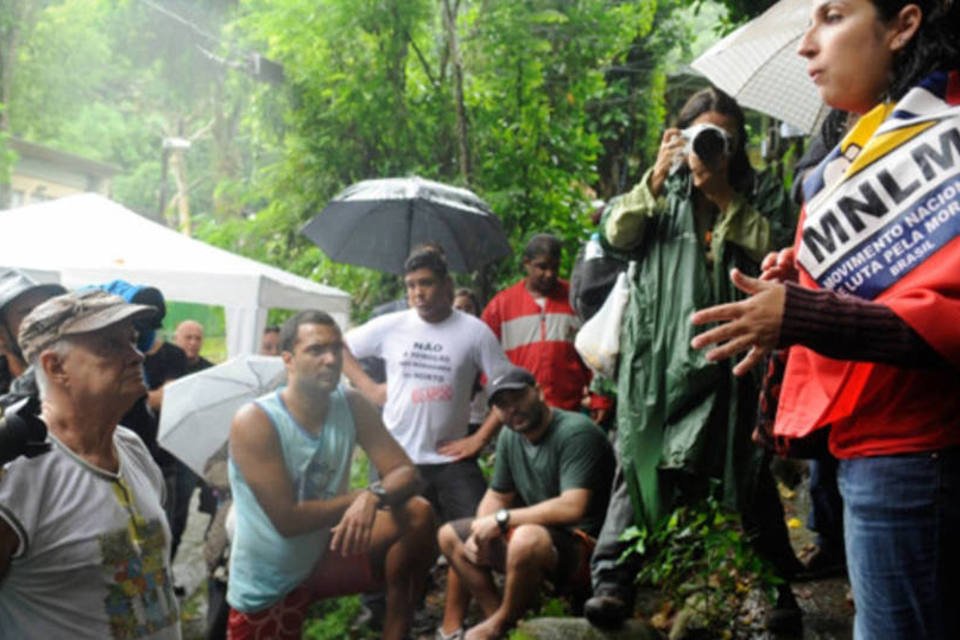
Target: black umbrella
<point x="375" y="223"/>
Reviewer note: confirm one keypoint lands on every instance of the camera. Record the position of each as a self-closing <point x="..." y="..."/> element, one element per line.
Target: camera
<point x="708" y="141"/>
<point x="22" y="432"/>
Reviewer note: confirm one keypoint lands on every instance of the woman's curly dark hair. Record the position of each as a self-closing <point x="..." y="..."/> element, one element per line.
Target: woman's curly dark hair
<point x="713" y="99"/>
<point x="936" y="45"/>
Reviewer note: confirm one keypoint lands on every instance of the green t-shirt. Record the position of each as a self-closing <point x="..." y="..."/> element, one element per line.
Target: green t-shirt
<point x="573" y="454"/>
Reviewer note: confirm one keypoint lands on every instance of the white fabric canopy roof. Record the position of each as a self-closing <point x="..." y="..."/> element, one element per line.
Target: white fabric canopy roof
<point x="89" y="239"/>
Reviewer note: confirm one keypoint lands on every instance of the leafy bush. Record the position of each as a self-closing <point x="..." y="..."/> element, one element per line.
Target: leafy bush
<point x="333" y="620"/>
<point x="699" y="560"/>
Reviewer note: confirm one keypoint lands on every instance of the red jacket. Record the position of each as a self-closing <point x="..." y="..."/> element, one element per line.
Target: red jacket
<point x="905" y="255"/>
<point x="541" y="340"/>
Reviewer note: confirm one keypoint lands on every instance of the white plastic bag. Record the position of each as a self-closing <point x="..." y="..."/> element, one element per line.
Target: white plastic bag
<point x="598" y="341"/>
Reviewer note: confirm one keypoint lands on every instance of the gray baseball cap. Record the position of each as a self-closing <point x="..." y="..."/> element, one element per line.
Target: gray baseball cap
<point x="514" y="378"/>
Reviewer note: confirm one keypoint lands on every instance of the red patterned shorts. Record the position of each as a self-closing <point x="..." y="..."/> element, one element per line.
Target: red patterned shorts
<point x="334" y="575"/>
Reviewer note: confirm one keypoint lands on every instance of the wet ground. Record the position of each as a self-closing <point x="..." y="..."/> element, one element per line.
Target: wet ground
<point x="828" y="614"/>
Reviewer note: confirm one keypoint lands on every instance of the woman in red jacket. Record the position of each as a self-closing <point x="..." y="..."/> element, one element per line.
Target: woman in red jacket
<point x="868" y="300"/>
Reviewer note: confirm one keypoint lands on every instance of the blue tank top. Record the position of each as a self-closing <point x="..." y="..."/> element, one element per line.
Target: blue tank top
<point x="264" y="565"/>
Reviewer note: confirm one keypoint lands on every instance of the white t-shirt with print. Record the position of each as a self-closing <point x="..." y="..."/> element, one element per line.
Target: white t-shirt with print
<point x="93" y="559"/>
<point x="431" y="368"/>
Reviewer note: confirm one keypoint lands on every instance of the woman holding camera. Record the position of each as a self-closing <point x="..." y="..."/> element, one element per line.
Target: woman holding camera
<point x="875" y="351"/>
<point x="683" y="420"/>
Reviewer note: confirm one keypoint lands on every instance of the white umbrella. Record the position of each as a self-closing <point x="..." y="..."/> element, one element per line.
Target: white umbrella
<point x="197" y="409"/>
<point x="758" y="64"/>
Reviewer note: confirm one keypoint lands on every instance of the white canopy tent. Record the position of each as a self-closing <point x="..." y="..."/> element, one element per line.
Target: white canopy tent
<point x="88" y="239"/>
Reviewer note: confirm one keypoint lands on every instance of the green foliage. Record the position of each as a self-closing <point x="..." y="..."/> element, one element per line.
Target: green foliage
<point x="333" y="620"/>
<point x="563" y="101"/>
<point x="550" y="608"/>
<point x="698" y="557"/>
<point x="7" y="156"/>
<point x="486" y="460"/>
<point x="359" y="470"/>
<point x="554" y="608"/>
<point x="743" y="10"/>
<point x="630" y="113"/>
<point x="535" y="69"/>
<point x="373" y="97"/>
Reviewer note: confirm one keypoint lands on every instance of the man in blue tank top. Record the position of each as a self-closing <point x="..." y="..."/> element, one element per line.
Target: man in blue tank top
<point x="301" y="533"/>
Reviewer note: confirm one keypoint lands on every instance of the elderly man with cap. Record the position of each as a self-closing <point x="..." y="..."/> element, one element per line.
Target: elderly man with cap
<point x="536" y="522"/>
<point x="19" y="294"/>
<point x="84" y="545"/>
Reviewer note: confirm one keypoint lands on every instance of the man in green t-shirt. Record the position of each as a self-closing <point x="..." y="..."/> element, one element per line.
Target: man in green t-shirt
<point x="537" y="520"/>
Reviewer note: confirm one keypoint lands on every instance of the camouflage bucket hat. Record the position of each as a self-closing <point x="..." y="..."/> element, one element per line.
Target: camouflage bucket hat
<point x="72" y="314"/>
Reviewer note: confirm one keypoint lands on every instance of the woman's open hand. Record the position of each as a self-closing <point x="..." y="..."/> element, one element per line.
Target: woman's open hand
<point x="751" y="325"/>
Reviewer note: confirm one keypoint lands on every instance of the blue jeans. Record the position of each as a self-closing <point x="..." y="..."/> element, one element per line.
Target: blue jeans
<point x="901" y="514"/>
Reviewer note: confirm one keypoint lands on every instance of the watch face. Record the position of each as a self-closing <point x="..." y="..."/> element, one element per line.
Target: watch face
<point x="377" y="489"/>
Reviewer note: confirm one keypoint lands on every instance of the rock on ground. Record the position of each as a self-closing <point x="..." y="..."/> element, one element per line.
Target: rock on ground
<point x="580" y="629"/>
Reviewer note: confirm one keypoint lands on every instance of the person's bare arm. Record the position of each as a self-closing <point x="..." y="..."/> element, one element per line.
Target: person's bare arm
<point x="493" y="501"/>
<point x="399" y="478"/>
<point x="471" y="445"/>
<point x="155" y="398"/>
<point x="566" y="509"/>
<point x="372" y="391"/>
<point x="398" y="475"/>
<point x="484" y="529"/>
<point x="255" y="449"/>
<point x="563" y="511"/>
<point x="9" y="542"/>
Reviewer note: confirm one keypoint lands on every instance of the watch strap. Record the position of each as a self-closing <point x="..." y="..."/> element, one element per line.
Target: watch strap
<point x="503" y="520"/>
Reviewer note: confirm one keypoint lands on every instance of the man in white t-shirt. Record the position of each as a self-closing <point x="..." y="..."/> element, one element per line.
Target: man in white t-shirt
<point x="433" y="354"/>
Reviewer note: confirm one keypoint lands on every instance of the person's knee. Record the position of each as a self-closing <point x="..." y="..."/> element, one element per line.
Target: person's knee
<point x="421" y="532"/>
<point x="417" y="518"/>
<point x="529" y="545"/>
<point x="448" y="540"/>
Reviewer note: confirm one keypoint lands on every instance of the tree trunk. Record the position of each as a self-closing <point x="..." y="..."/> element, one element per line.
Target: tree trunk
<point x="179" y="166"/>
<point x="463" y="141"/>
<point x="226" y="160"/>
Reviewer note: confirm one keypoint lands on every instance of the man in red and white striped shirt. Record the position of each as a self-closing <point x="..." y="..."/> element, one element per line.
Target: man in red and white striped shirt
<point x="536" y="325"/>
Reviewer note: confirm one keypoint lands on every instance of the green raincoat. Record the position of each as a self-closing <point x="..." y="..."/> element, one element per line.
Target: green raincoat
<point x="681" y="419"/>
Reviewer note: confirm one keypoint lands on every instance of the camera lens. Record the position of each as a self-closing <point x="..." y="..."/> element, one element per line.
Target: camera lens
<point x="709" y="145"/>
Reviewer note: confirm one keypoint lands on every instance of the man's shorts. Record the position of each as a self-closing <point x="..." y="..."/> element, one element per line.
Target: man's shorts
<point x="334" y="576"/>
<point x="454" y="489"/>
<point x="574" y="548"/>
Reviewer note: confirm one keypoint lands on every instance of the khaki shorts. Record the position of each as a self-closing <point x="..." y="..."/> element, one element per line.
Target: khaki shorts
<point x="574" y="548"/>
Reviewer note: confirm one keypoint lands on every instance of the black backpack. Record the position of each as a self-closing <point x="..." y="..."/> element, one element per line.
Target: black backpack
<point x="595" y="271"/>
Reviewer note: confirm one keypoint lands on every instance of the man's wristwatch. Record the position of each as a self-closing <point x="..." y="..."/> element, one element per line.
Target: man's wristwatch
<point x="376" y="488"/>
<point x="503" y="520"/>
